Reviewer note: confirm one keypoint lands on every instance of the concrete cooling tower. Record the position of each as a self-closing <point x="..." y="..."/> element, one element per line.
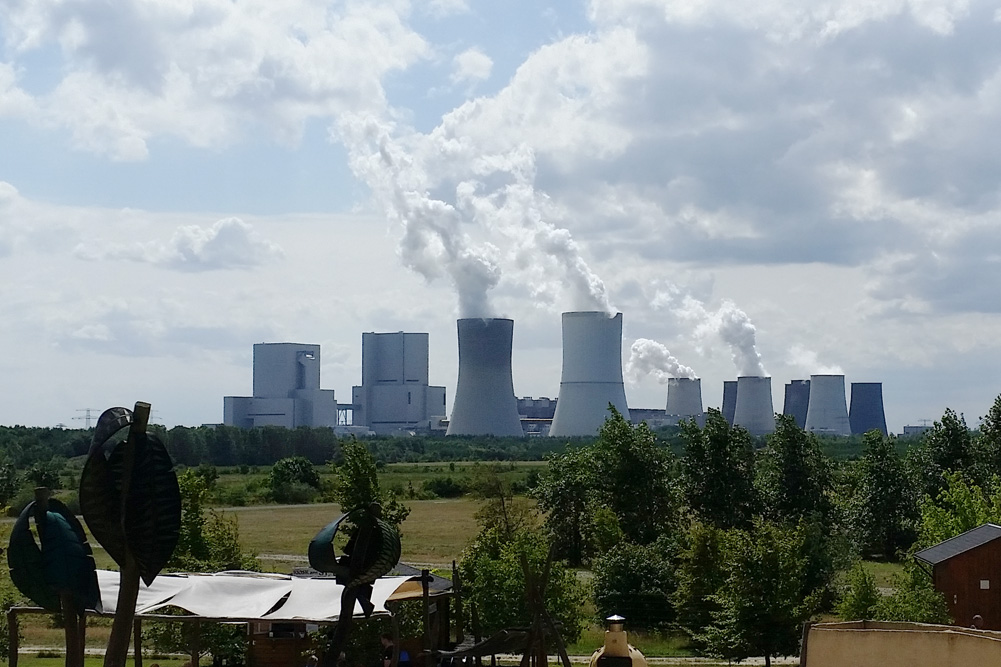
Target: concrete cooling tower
<point x="797" y="400"/>
<point x="592" y="373"/>
<point x="484" y="394"/>
<point x="828" y="412"/>
<point x="729" y="400"/>
<point x="753" y="409"/>
<point x="866" y="412"/>
<point x="684" y="397"/>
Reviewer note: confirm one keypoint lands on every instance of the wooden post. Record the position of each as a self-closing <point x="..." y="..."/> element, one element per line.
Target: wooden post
<point x="12" y="637"/>
<point x="128" y="591"/>
<point x="457" y="592"/>
<point x="196" y="643"/>
<point x="137" y="641"/>
<point x="426" y="588"/>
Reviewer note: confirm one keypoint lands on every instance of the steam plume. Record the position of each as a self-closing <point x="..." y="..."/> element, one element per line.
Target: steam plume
<point x="648" y="357"/>
<point x="735" y="328"/>
<point x="807" y="362"/>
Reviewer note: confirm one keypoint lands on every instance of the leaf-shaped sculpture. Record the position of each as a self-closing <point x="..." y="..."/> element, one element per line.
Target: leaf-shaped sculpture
<point x="152" y="521"/>
<point x="63" y="563"/>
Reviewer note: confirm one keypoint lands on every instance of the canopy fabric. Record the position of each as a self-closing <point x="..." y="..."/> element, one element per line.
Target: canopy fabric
<point x="245" y="595"/>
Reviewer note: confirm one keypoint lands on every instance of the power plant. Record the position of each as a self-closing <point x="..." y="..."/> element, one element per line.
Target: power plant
<point x="827" y="411"/>
<point x="485" y="403"/>
<point x="866" y="412"/>
<point x="729" y="400"/>
<point x="684" y="397"/>
<point x="753" y="409"/>
<point x="797" y="401"/>
<point x="592" y="373"/>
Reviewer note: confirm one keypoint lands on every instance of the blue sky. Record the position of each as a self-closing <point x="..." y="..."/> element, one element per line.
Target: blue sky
<point x="779" y="188"/>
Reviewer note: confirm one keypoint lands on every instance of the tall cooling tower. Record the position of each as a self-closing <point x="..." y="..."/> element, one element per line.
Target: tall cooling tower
<point x="484" y="394"/>
<point x="592" y="373"/>
<point x="729" y="400"/>
<point x="828" y="412"/>
<point x="753" y="409"/>
<point x="684" y="397"/>
<point x="866" y="412"/>
<point x="797" y="400"/>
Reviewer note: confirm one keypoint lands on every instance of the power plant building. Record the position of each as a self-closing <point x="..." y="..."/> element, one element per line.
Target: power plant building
<point x="395" y="394"/>
<point x="592" y="373"/>
<point x="797" y="401"/>
<point x="866" y="411"/>
<point x="286" y="390"/>
<point x="485" y="403"/>
<point x="828" y="411"/>
<point x="753" y="409"/>
<point x="684" y="400"/>
<point x="729" y="400"/>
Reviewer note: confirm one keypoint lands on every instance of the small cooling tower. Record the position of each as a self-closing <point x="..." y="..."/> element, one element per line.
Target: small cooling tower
<point x="828" y="412"/>
<point x="797" y="400"/>
<point x="484" y="394"/>
<point x="592" y="373"/>
<point x="729" y="400"/>
<point x="684" y="397"/>
<point x="866" y="412"/>
<point x="753" y="409"/>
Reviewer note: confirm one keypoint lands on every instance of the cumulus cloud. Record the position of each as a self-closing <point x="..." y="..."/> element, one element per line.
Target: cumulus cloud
<point x="471" y="66"/>
<point x="230" y="243"/>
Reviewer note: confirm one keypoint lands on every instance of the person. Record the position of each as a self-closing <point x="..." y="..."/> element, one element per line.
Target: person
<point x="387" y="652"/>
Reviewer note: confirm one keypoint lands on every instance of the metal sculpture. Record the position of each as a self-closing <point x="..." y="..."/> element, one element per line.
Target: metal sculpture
<point x="131" y="502"/>
<point x="371" y="552"/>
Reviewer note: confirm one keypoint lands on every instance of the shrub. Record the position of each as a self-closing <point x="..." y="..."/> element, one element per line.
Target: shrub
<point x="445" y="487"/>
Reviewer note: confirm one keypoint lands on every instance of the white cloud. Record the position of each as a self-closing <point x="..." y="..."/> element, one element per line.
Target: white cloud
<point x="230" y="243"/>
<point x="471" y="66"/>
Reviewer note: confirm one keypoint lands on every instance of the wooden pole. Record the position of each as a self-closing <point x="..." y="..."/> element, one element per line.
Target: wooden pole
<point x="13" y="637"/>
<point x="425" y="587"/>
<point x="128" y="591"/>
<point x="457" y="592"/>
<point x="137" y="641"/>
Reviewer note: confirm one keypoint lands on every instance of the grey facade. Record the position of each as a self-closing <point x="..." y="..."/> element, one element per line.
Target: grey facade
<point x="394" y="394"/>
<point x="729" y="400"/>
<point x="797" y="400"/>
<point x="485" y="403"/>
<point x="286" y="390"/>
<point x="866" y="410"/>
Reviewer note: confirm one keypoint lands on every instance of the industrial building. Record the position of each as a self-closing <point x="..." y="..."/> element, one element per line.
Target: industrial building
<point x="286" y="390"/>
<point x="592" y="373"/>
<point x="395" y="394"/>
<point x="827" y="412"/>
<point x="797" y="401"/>
<point x="729" y="400"/>
<point x="866" y="410"/>
<point x="753" y="406"/>
<point x="485" y="403"/>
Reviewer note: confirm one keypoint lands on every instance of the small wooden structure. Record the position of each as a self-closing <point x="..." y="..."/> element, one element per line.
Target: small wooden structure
<point x="966" y="569"/>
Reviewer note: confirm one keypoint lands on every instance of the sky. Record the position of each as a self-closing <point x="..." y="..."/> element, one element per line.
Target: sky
<point x="778" y="187"/>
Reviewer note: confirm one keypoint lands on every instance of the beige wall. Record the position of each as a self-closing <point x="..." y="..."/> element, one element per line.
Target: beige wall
<point x="872" y="644"/>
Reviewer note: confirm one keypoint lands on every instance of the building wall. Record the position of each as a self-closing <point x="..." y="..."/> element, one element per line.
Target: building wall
<point x="871" y="644"/>
<point x="959" y="580"/>
<point x="281" y="368"/>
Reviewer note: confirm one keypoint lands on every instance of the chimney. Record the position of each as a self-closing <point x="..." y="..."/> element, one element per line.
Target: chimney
<point x="866" y="412"/>
<point x="827" y="411"/>
<point x="797" y="400"/>
<point x="684" y="397"/>
<point x="729" y="400"/>
<point x="484" y="394"/>
<point x="592" y="373"/>
<point x="753" y="409"/>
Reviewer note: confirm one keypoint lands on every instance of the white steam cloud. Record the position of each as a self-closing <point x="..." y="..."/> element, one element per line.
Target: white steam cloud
<point x="808" y="363"/>
<point x="648" y="357"/>
<point x="733" y="326"/>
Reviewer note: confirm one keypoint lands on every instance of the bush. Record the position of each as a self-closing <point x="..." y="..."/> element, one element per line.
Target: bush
<point x="295" y="493"/>
<point x="861" y="596"/>
<point x="445" y="487"/>
<point x="637" y="582"/>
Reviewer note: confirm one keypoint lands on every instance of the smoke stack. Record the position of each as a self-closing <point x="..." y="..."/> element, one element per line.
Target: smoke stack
<point x="484" y="394"/>
<point x="797" y="401"/>
<point x="684" y="397"/>
<point x="729" y="400"/>
<point x="866" y="413"/>
<point x="753" y="409"/>
<point x="828" y="412"/>
<point x="592" y="373"/>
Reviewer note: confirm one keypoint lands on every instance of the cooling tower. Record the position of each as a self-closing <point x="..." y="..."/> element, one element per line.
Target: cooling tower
<point x="592" y="373"/>
<point x="866" y="412"/>
<point x="797" y="400"/>
<point x="729" y="400"/>
<point x="484" y="394"/>
<point x="684" y="397"/>
<point x="828" y="412"/>
<point x="753" y="409"/>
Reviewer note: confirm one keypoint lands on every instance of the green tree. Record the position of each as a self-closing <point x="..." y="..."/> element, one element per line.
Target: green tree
<point x="883" y="506"/>
<point x="700" y="573"/>
<point x="10" y="482"/>
<point x="638" y="582"/>
<point x="959" y="507"/>
<point x="946" y="447"/>
<point x="356" y="485"/>
<point x="989" y="441"/>
<point x="765" y="598"/>
<point x="566" y="493"/>
<point x="794" y="477"/>
<point x="861" y="597"/>
<point x="633" y="478"/>
<point x="914" y="599"/>
<point x="717" y="472"/>
<point x="294" y="480"/>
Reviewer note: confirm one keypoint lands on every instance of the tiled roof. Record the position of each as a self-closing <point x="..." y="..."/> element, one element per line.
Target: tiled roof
<point x="954" y="546"/>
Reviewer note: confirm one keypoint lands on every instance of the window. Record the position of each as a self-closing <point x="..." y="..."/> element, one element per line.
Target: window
<point x="985" y="584"/>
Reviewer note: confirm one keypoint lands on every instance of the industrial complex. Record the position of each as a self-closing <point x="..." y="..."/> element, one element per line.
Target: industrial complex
<point x="395" y="396"/>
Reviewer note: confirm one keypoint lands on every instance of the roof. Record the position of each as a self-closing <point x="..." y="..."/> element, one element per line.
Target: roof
<point x="954" y="546"/>
<point x="243" y="596"/>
